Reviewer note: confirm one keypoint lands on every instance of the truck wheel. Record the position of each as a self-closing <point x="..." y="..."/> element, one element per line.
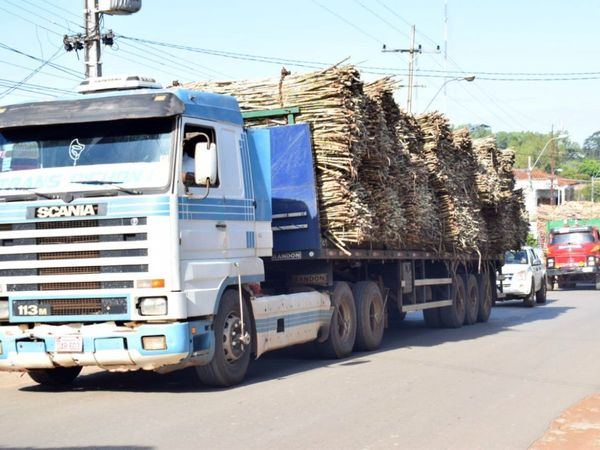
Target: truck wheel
<point x="598" y="281"/>
<point x="485" y="298"/>
<point x="471" y="300"/>
<point x="540" y="296"/>
<point x="232" y="350"/>
<point x="369" y="315"/>
<point x="59" y="376"/>
<point x="529" y="301"/>
<point x="550" y="284"/>
<point x="342" y="331"/>
<point x="453" y="316"/>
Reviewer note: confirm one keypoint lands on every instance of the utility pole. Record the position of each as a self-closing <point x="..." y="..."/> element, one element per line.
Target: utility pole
<point x="90" y="42"/>
<point x="411" y="63"/>
<point x="93" y="65"/>
<point x="411" y="68"/>
<point x="552" y="155"/>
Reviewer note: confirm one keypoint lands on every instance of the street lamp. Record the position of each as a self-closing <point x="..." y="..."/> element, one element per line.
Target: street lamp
<point x="469" y="78"/>
<point x="530" y="166"/>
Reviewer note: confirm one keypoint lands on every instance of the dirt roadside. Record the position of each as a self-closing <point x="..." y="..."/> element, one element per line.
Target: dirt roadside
<point x="577" y="428"/>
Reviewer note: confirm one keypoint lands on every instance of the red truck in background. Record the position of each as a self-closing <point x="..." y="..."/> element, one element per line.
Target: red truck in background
<point x="573" y="255"/>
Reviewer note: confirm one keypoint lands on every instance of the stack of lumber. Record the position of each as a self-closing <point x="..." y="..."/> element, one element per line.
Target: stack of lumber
<point x="385" y="178"/>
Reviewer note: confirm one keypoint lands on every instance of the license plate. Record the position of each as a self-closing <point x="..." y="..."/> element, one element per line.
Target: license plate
<point x="68" y="344"/>
<point x="588" y="269"/>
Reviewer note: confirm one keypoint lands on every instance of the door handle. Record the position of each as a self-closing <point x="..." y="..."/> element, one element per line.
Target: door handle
<point x="221" y="226"/>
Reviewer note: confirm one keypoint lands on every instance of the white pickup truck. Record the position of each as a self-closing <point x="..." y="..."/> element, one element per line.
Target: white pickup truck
<point x="524" y="276"/>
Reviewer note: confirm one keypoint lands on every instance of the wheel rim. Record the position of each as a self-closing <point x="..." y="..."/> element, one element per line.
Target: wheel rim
<point x="343" y="320"/>
<point x="375" y="314"/>
<point x="233" y="343"/>
<point x="472" y="298"/>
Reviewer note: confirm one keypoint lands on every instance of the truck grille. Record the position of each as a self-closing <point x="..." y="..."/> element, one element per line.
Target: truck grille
<point x="79" y="254"/>
<point x="73" y="306"/>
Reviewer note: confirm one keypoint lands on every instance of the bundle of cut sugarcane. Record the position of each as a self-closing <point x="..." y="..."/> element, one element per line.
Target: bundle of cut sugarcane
<point x="487" y="178"/>
<point x="451" y="165"/>
<point x="380" y="169"/>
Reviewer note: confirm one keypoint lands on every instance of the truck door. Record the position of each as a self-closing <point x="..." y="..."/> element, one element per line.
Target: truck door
<point x="215" y="221"/>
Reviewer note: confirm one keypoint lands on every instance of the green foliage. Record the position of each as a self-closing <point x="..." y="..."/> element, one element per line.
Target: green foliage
<point x="590" y="167"/>
<point x="478" y="131"/>
<point x="529" y="144"/>
<point x="531" y="240"/>
<point x="591" y="146"/>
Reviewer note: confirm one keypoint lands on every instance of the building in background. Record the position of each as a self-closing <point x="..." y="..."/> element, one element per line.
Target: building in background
<point x="541" y="189"/>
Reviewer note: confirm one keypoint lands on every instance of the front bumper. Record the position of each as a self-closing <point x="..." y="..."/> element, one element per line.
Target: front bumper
<point x="516" y="290"/>
<point x="582" y="271"/>
<point x="109" y="346"/>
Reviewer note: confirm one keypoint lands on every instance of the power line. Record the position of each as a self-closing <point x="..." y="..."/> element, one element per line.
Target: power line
<point x="137" y="58"/>
<point x="33" y="87"/>
<point x="35" y="5"/>
<point x="29" y="21"/>
<point x="382" y="19"/>
<point x="63" y="9"/>
<point x="232" y="55"/>
<point x="28" y="77"/>
<point x="357" y="28"/>
<point x="165" y="56"/>
<point x="53" y="65"/>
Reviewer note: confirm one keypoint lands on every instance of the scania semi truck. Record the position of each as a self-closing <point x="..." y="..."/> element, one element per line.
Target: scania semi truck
<point x="114" y="255"/>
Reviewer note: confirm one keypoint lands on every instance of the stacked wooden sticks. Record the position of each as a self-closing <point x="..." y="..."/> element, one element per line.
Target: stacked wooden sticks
<point x="386" y="179"/>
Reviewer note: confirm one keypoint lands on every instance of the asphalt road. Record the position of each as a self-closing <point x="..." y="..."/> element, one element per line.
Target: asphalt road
<point x="488" y="386"/>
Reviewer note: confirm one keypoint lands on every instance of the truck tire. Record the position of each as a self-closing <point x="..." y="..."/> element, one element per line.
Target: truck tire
<point x="486" y="298"/>
<point x="529" y="301"/>
<point x="231" y="357"/>
<point x="59" y="376"/>
<point x="369" y="315"/>
<point x="540" y="296"/>
<point x="342" y="331"/>
<point x="471" y="299"/>
<point x="550" y="283"/>
<point x="598" y="281"/>
<point x="453" y="316"/>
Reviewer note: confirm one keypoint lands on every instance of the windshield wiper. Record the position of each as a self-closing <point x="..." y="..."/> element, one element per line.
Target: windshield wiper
<point x="114" y="184"/>
<point x="30" y="190"/>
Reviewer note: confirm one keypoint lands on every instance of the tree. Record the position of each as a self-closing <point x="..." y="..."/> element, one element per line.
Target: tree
<point x="476" y="130"/>
<point x="591" y="146"/>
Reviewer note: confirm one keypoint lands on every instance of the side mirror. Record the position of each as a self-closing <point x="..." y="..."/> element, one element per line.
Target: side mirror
<point x="205" y="157"/>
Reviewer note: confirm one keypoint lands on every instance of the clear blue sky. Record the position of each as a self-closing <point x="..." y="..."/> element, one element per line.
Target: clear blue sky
<point x="503" y="38"/>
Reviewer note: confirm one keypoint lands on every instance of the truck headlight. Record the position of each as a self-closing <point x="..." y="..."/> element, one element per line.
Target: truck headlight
<point x="153" y="306"/>
<point x="550" y="262"/>
<point x="591" y="261"/>
<point x="4" y="309"/>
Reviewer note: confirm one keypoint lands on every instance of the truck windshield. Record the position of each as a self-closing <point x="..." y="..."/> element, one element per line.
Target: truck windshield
<point x="515" y="257"/>
<point x="571" y="238"/>
<point x="134" y="152"/>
